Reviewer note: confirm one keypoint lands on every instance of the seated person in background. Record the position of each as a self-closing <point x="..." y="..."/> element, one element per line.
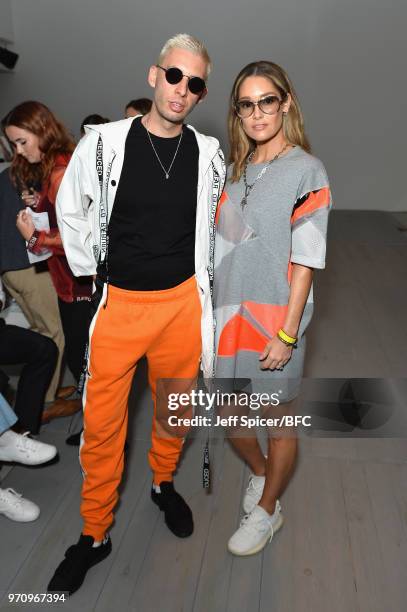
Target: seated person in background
<point x="93" y="120"/>
<point x="42" y="150"/>
<point x="29" y="284"/>
<point x="39" y="355"/>
<point x="20" y="448"/>
<point x="141" y="106"/>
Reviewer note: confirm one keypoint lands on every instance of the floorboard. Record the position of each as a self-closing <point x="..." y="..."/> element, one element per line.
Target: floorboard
<point x="343" y="545"/>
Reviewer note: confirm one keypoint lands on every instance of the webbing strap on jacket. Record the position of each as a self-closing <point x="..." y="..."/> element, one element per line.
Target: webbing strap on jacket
<point x="217" y="187"/>
<point x="103" y="212"/>
<point x="102" y="205"/>
<point x="100" y="256"/>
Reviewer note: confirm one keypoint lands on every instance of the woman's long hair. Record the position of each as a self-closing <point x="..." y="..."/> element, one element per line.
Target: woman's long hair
<point x="53" y="137"/>
<point x="293" y="125"/>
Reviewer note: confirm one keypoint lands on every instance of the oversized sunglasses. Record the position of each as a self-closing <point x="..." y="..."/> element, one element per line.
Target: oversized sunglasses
<point x="196" y="85"/>
<point x="270" y="105"/>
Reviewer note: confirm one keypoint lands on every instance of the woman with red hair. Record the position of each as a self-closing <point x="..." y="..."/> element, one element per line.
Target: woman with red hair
<point x="43" y="149"/>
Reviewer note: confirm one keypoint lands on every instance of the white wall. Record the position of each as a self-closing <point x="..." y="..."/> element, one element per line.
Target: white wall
<point x="6" y="22"/>
<point x="346" y="58"/>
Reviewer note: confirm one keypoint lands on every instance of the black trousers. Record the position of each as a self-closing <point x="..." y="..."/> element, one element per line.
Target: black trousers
<point x="75" y="318"/>
<point x="39" y="354"/>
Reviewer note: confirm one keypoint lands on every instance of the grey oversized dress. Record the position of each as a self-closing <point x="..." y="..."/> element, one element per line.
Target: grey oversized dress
<point x="284" y="222"/>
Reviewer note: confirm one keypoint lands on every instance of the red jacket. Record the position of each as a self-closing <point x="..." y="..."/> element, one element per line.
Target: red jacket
<point x="68" y="287"/>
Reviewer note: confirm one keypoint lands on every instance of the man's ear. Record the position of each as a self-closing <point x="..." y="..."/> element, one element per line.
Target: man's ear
<point x="203" y="95"/>
<point x="152" y="76"/>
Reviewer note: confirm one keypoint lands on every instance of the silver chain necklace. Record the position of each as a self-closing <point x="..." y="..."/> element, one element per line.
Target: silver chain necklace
<point x="249" y="186"/>
<point x="166" y="172"/>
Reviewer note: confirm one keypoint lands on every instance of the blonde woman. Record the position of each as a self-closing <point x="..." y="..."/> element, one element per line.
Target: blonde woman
<point x="271" y="235"/>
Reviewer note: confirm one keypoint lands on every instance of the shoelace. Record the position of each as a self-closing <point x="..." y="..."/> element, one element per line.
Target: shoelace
<point x="17" y="497"/>
<point x="26" y="443"/>
<point x="245" y="520"/>
<point x="252" y="527"/>
<point x="252" y="485"/>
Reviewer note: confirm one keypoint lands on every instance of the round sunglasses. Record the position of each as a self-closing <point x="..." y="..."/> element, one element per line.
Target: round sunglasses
<point x="196" y="85"/>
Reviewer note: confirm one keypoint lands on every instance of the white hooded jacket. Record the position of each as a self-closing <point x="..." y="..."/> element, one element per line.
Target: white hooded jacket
<point x="83" y="209"/>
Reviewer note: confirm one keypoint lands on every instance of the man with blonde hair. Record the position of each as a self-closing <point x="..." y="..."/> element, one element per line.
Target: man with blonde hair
<point x="136" y="207"/>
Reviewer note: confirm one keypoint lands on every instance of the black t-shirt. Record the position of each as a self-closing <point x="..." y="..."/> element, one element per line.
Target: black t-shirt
<point x="152" y="225"/>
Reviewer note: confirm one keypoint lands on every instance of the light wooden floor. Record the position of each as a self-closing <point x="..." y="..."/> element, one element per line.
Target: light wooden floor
<point x="343" y="547"/>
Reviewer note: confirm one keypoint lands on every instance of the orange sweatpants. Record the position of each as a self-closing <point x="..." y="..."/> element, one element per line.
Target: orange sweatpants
<point x="166" y="327"/>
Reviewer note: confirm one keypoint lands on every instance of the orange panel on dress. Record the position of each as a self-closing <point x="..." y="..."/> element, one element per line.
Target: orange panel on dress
<point x="270" y="316"/>
<point x="315" y="200"/>
<point x="222" y="200"/>
<point x="239" y="335"/>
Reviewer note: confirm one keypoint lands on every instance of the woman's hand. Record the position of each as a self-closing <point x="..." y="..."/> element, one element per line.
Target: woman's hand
<point x="30" y="198"/>
<point x="275" y="355"/>
<point x="25" y="224"/>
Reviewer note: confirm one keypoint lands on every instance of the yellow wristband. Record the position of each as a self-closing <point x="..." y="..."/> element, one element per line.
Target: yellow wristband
<point x="288" y="339"/>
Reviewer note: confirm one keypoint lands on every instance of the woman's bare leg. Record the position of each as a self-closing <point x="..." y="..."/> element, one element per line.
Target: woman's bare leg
<point x="249" y="450"/>
<point x="282" y="454"/>
<point x="280" y="462"/>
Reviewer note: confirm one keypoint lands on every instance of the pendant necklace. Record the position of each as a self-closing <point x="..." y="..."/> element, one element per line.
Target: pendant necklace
<point x="249" y="186"/>
<point x="166" y="172"/>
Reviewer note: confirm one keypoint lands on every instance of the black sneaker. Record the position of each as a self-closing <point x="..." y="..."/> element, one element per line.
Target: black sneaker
<point x="74" y="439"/>
<point x="177" y="513"/>
<point x="71" y="572"/>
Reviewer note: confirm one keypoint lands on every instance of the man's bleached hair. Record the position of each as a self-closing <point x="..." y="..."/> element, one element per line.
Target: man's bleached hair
<point x="189" y="43"/>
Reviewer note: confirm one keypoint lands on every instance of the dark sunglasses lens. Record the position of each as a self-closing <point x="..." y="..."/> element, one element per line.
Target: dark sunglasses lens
<point x="196" y="85"/>
<point x="173" y="75"/>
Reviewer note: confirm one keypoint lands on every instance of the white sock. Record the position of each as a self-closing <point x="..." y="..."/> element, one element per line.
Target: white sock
<point x="97" y="543"/>
<point x="156" y="488"/>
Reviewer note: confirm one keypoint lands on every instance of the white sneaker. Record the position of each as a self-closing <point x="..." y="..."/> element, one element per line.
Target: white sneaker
<point x="253" y="493"/>
<point x="256" y="529"/>
<point x="21" y="448"/>
<point x="16" y="507"/>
